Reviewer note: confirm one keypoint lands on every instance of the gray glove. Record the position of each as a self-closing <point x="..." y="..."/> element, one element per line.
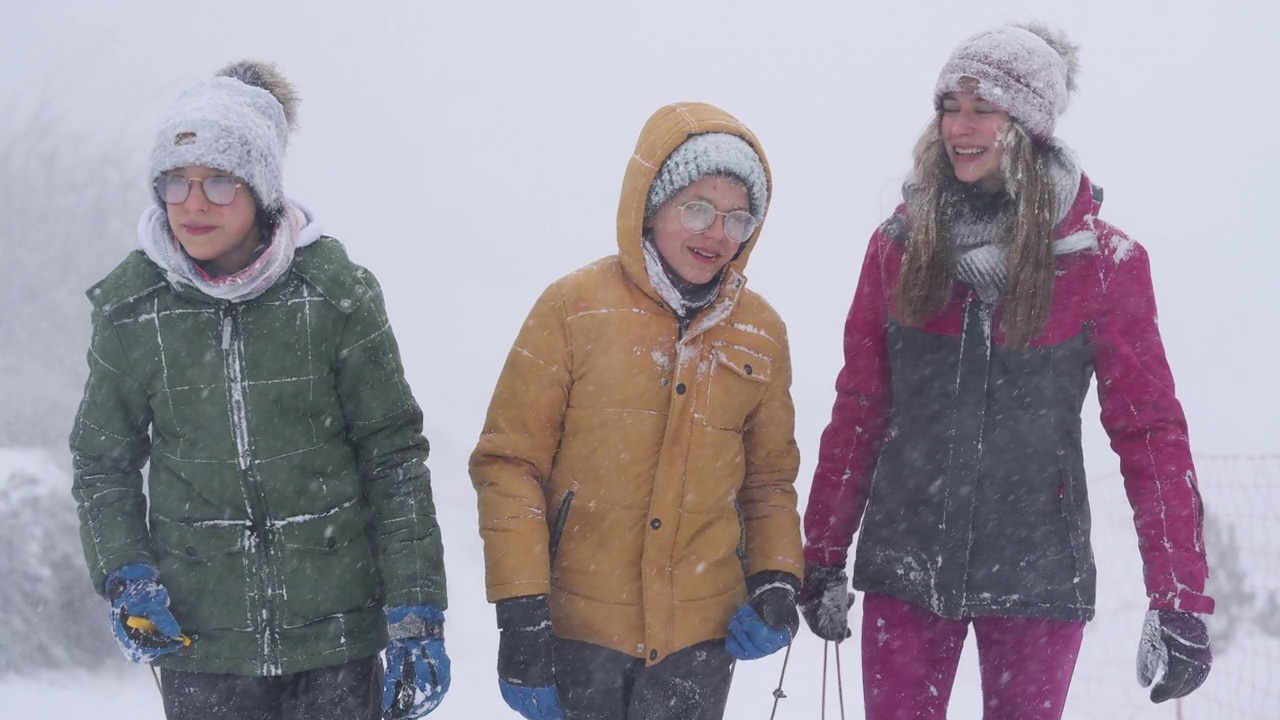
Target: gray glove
<point x="1177" y="643"/>
<point x="825" y="601"/>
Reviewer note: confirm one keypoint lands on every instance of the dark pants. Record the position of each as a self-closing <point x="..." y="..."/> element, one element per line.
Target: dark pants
<point x="341" y="692"/>
<point x="596" y="683"/>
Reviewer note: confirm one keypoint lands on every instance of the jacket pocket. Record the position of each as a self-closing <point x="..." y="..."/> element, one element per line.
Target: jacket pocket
<point x="326" y="567"/>
<point x="739" y="377"/>
<point x="209" y="575"/>
<point x="1075" y="509"/>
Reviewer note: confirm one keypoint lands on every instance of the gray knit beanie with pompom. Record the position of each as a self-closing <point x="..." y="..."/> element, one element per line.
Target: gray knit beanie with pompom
<point x="1026" y="70"/>
<point x="237" y="122"/>
<point x="714" y="153"/>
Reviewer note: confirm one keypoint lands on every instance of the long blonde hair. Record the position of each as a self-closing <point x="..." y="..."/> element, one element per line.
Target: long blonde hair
<point x="928" y="261"/>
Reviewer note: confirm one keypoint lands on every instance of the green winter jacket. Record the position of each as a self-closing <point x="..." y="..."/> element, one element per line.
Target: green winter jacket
<point x="288" y="498"/>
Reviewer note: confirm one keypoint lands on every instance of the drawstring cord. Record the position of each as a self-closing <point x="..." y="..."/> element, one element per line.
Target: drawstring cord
<point x="155" y="674"/>
<point x="778" y="694"/>
<point x="826" y="646"/>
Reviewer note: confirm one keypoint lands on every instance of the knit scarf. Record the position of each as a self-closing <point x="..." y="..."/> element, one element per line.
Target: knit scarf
<point x="981" y="260"/>
<point x="297" y="228"/>
<point x="983" y="225"/>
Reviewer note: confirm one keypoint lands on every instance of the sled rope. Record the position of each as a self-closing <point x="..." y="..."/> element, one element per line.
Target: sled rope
<point x="826" y="647"/>
<point x="777" y="692"/>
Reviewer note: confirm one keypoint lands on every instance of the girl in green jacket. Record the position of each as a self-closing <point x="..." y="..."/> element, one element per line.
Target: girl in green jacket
<point x="286" y="535"/>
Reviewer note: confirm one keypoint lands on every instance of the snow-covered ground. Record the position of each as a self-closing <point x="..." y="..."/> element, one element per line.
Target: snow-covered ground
<point x="1241" y="687"/>
<point x="126" y="693"/>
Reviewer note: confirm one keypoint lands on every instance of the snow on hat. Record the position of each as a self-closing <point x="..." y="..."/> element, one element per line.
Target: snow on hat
<point x="237" y="122"/>
<point x="714" y="153"/>
<point x="1026" y="70"/>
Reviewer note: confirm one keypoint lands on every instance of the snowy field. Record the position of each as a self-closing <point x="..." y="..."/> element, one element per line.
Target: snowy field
<point x="1104" y="687"/>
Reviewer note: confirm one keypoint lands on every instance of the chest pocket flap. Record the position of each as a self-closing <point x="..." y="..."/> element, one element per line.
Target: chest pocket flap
<point x="744" y="363"/>
<point x="738" y="380"/>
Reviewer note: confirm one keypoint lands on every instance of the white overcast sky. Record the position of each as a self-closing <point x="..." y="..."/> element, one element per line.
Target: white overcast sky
<point x="470" y="153"/>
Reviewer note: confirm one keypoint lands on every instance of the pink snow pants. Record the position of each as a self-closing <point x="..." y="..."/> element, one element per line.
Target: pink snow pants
<point x="910" y="655"/>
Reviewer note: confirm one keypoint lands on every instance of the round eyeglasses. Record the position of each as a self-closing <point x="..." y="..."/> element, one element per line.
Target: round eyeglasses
<point x="697" y="216"/>
<point x="174" y="189"/>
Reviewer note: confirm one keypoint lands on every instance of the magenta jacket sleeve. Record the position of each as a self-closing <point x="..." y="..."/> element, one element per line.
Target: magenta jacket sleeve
<point x="852" y="440"/>
<point x="1148" y="431"/>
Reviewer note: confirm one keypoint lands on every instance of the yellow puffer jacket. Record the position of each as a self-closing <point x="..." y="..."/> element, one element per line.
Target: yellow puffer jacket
<point x="635" y="475"/>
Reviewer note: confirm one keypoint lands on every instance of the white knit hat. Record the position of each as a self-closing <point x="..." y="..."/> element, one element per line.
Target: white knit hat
<point x="237" y="122"/>
<point x="714" y="153"/>
<point x="1026" y="70"/>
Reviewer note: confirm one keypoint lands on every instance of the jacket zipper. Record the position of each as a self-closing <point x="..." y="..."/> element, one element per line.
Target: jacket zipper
<point x="741" y="549"/>
<point x="557" y="527"/>
<point x="259" y="539"/>
<point x="985" y="313"/>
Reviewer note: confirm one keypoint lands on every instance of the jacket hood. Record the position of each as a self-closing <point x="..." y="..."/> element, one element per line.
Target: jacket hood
<point x="665" y="130"/>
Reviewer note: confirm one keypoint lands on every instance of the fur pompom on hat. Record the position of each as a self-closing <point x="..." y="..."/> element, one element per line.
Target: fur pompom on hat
<point x="237" y="122"/>
<point x="714" y="153"/>
<point x="1029" y="71"/>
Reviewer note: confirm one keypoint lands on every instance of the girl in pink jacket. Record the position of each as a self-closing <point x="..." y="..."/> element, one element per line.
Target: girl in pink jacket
<point x="986" y="304"/>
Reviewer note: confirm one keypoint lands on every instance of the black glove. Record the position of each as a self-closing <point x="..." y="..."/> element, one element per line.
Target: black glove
<point x="772" y="593"/>
<point x="526" y="671"/>
<point x="825" y="601"/>
<point x="1178" y="642"/>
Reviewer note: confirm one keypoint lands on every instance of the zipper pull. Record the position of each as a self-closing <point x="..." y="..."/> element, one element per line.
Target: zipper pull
<point x="226" y="332"/>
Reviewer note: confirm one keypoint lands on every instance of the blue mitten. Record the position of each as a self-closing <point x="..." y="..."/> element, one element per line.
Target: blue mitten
<point x="140" y="617"/>
<point x="769" y="620"/>
<point x="526" y="668"/>
<point x="540" y="703"/>
<point x="417" y="675"/>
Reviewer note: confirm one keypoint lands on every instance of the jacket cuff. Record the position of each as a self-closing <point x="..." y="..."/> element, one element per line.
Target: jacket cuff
<point x="826" y="556"/>
<point x="1185" y="601"/>
<point x="125" y="574"/>
<point x="527" y="612"/>
<point x="415" y="621"/>
<point x="772" y="577"/>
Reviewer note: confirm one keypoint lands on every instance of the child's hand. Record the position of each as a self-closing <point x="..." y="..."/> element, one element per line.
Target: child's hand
<point x="140" y="618"/>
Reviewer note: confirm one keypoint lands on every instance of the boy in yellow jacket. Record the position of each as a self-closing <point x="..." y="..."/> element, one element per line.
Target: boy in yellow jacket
<point x="636" y="469"/>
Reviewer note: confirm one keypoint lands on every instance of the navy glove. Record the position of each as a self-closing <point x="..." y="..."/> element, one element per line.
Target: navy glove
<point x="140" y="617"/>
<point x="768" y="621"/>
<point x="417" y="675"/>
<point x="1178" y="643"/>
<point x="825" y="601"/>
<point x="526" y="671"/>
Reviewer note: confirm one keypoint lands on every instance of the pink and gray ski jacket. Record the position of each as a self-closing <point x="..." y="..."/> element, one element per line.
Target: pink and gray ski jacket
<point x="960" y="459"/>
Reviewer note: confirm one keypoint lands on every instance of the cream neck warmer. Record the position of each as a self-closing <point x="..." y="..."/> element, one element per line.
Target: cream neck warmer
<point x="298" y="228"/>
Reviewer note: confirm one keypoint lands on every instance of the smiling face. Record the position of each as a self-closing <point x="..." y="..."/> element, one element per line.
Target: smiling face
<point x="220" y="237"/>
<point x="970" y="130"/>
<point x="698" y="257"/>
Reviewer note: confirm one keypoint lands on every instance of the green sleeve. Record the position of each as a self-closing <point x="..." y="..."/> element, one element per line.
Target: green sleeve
<point x="109" y="447"/>
<point x="385" y="425"/>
